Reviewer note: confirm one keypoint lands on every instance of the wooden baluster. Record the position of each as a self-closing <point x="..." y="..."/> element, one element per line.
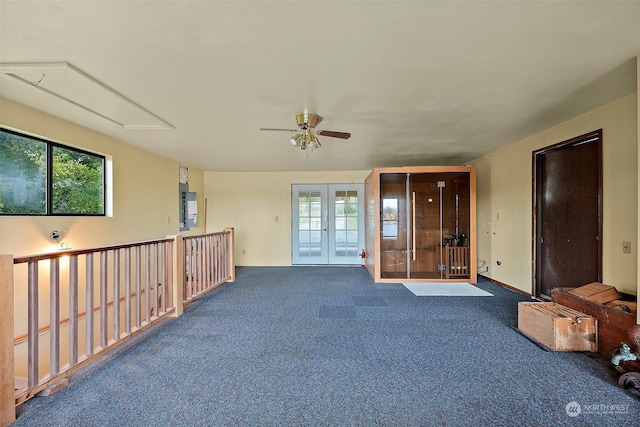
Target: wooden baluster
<point x="192" y="268"/>
<point x="217" y="251"/>
<point x="104" y="302"/>
<point x="218" y="268"/>
<point x="32" y="327"/>
<point x="89" y="305"/>
<point x="201" y="256"/>
<point x="172" y="249"/>
<point x="208" y="263"/>
<point x="221" y="267"/>
<point x="156" y="251"/>
<point x="116" y="294"/>
<point x="163" y="278"/>
<point x="138" y="263"/>
<point x="127" y="290"/>
<point x="185" y="260"/>
<point x="147" y="284"/>
<point x="73" y="310"/>
<point x="54" y="316"/>
<point x="203" y="263"/>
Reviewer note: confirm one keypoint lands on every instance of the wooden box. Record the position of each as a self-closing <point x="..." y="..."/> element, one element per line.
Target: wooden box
<point x="556" y="327"/>
<point x="596" y="292"/>
<point x="613" y="323"/>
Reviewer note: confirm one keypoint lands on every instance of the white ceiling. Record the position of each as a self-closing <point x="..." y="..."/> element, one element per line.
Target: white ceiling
<point x="416" y="83"/>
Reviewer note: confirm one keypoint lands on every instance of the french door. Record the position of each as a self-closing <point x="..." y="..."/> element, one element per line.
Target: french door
<point x="327" y="224"/>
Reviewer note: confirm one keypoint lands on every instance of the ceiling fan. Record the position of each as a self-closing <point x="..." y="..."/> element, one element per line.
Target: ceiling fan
<point x="306" y="135"/>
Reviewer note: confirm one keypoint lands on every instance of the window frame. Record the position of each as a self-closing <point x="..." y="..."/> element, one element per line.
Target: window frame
<point x="49" y="176"/>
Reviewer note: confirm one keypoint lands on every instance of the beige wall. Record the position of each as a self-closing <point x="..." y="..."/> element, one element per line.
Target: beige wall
<point x="505" y="191"/>
<point x="145" y="196"/>
<point x="251" y="201"/>
<point x="146" y="200"/>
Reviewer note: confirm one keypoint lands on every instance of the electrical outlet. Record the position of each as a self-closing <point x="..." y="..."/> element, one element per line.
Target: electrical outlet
<point x="626" y="247"/>
<point x="244" y="252"/>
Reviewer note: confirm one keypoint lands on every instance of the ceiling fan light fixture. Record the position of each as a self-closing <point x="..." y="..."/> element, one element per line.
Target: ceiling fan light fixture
<point x="312" y="141"/>
<point x="306" y="136"/>
<point x="315" y="144"/>
<point x="296" y="139"/>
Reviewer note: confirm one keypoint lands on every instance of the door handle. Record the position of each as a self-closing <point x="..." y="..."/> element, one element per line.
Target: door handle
<point x="413" y="226"/>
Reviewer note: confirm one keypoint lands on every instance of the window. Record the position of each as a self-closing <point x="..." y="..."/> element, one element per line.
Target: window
<point x="40" y="177"/>
<point x="389" y="218"/>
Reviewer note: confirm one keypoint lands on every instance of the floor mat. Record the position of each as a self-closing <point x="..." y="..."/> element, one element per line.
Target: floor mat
<point x="450" y="289"/>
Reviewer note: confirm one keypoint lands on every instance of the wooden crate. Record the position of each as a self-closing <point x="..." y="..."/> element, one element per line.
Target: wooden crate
<point x="596" y="292"/>
<point x="556" y="327"/>
<point x="613" y="324"/>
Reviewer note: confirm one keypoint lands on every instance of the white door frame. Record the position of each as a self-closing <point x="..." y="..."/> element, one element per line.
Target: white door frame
<point x="325" y="222"/>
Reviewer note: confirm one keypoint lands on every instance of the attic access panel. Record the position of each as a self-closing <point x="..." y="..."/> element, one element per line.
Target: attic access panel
<point x="73" y="86"/>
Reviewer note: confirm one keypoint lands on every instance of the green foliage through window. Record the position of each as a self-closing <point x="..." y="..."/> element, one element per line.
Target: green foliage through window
<point x="38" y="177"/>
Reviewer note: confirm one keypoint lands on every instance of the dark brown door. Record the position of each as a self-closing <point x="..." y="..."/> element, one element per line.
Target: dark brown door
<point x="568" y="214"/>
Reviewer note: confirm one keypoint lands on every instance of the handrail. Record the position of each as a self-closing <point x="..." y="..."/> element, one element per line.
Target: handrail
<point x="127" y="288"/>
<point x="71" y="252"/>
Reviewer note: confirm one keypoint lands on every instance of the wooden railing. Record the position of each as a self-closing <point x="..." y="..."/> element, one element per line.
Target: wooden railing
<point x="72" y="306"/>
<point x="206" y="264"/>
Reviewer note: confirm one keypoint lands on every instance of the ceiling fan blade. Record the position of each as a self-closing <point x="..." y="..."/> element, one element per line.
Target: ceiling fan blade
<point x="287" y="130"/>
<point x="334" y="134"/>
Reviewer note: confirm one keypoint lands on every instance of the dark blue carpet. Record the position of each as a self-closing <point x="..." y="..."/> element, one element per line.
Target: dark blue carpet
<point x="325" y="346"/>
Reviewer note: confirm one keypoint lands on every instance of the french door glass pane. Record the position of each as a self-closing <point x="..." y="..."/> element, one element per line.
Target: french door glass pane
<point x="309" y="223"/>
<point x="352" y="243"/>
<point x="346" y="223"/>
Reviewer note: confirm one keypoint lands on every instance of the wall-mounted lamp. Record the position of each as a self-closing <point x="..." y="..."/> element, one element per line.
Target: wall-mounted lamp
<point x="56" y="236"/>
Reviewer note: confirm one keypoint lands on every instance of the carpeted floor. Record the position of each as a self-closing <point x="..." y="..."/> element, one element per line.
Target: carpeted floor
<point x="325" y="346"/>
